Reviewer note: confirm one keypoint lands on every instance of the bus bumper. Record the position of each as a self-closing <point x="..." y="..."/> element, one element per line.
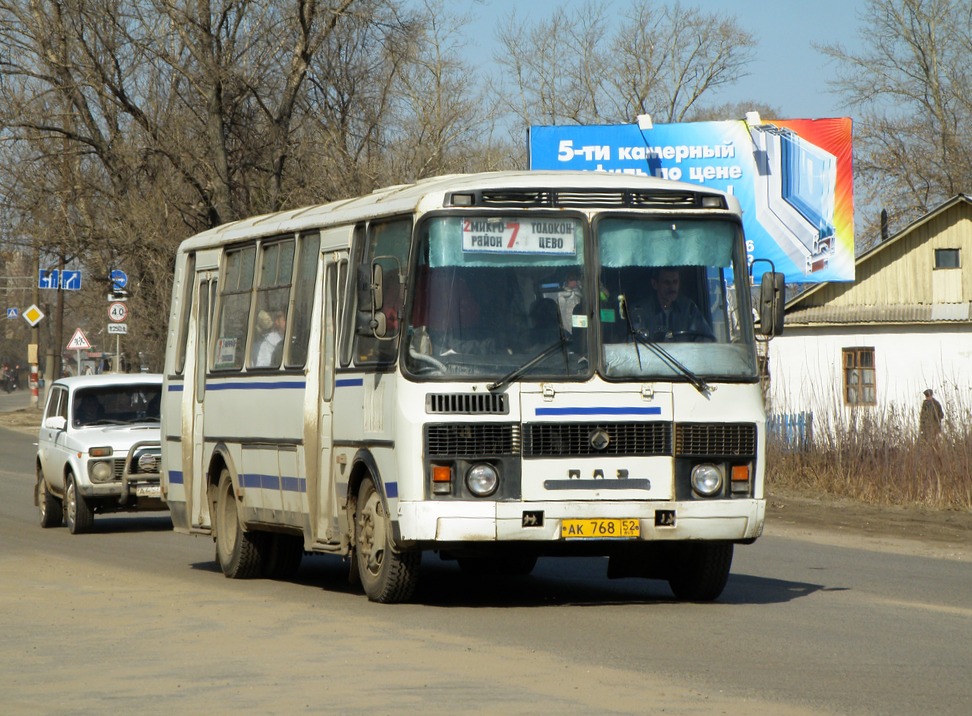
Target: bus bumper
<point x="735" y="520"/>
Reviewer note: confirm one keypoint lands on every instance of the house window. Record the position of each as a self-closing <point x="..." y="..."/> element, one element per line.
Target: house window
<point x="947" y="259"/>
<point x="859" y="376"/>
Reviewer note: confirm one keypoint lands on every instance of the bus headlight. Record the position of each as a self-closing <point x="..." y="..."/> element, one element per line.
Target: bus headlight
<point x="100" y="471"/>
<point x="707" y="479"/>
<point x="482" y="479"/>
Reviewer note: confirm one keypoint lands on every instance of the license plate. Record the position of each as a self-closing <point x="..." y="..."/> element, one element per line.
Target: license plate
<point x="600" y="529"/>
<point x="148" y="491"/>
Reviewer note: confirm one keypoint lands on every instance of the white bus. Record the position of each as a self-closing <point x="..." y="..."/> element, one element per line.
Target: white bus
<point x="470" y="366"/>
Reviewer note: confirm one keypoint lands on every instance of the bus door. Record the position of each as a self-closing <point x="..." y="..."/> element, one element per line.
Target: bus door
<point x="194" y="459"/>
<point x="335" y="271"/>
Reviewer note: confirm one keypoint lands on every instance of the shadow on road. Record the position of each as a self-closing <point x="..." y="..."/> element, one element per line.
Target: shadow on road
<point x="555" y="582"/>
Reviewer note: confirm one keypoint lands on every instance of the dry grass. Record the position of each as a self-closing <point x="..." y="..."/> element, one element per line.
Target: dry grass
<point x="879" y="460"/>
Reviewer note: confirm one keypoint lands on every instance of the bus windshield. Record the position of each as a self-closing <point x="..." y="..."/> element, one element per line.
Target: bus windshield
<point x="495" y="293"/>
<point x="506" y="297"/>
<point x="668" y="307"/>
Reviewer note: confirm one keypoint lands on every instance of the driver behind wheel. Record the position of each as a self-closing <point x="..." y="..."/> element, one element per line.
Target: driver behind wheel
<point x="666" y="315"/>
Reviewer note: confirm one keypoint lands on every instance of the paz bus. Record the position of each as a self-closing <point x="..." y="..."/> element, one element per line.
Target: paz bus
<point x="464" y="366"/>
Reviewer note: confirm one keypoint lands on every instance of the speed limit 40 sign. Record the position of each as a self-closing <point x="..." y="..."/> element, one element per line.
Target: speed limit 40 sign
<point x="118" y="312"/>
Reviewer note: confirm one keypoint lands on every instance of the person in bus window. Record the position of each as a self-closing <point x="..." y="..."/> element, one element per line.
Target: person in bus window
<point x="270" y="347"/>
<point x="667" y="315"/>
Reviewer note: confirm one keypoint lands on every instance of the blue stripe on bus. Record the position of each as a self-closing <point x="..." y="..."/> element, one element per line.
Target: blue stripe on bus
<point x="256" y="481"/>
<point x="653" y="410"/>
<point x="391" y="489"/>
<point x="348" y="382"/>
<point x="175" y="387"/>
<point x="259" y="385"/>
<point x="175" y="477"/>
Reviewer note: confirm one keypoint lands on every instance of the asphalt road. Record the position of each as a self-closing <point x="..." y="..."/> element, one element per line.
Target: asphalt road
<point x="134" y="617"/>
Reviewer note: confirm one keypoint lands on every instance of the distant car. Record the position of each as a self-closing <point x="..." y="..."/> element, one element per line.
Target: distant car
<point x="98" y="449"/>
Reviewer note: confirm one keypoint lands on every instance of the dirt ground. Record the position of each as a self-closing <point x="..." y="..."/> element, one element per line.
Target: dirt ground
<point x="816" y="518"/>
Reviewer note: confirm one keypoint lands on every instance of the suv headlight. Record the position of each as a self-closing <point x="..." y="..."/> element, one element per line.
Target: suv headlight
<point x="100" y="471"/>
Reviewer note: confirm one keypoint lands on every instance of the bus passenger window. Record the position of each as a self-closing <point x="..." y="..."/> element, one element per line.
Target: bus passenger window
<point x="306" y="279"/>
<point x="234" y="309"/>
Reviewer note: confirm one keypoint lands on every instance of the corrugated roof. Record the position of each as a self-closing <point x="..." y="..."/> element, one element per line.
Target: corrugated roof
<point x="898" y="313"/>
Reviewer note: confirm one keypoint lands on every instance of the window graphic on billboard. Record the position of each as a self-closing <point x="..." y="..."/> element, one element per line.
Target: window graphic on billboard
<point x="793" y="178"/>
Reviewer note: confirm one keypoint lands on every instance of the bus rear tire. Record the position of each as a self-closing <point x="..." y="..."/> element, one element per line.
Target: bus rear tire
<point x="387" y="576"/>
<point x="700" y="570"/>
<point x="238" y="552"/>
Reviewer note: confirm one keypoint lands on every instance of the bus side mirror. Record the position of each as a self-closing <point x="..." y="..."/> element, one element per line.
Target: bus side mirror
<point x="771" y="302"/>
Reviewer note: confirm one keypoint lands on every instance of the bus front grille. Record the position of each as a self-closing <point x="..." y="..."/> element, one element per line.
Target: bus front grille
<point x="467" y="404"/>
<point x="715" y="439"/>
<point x="582" y="439"/>
<point x="471" y="439"/>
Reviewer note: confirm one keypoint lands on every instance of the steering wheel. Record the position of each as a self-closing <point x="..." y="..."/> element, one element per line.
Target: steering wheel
<point x="430" y="363"/>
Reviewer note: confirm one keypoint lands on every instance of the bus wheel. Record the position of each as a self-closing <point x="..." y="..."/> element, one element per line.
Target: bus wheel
<point x="386" y="576"/>
<point x="700" y="570"/>
<point x="237" y="551"/>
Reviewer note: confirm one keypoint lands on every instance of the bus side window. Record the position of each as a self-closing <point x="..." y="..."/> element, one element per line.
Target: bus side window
<point x="300" y="323"/>
<point x="272" y="329"/>
<point x="234" y="309"/>
<point x="188" y="284"/>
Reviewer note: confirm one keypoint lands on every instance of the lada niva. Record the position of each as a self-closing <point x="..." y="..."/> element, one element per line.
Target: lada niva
<point x="98" y="449"/>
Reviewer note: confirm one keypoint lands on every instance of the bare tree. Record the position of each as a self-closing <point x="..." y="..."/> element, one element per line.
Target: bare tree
<point x="912" y="86"/>
<point x="663" y="61"/>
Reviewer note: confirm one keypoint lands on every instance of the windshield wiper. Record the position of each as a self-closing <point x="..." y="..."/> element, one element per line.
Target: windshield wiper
<point x="561" y="344"/>
<point x="667" y="358"/>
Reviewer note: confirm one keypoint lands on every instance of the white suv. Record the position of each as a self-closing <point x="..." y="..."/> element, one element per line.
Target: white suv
<point x="98" y="449"/>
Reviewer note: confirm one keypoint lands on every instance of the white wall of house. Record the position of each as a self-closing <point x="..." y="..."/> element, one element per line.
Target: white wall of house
<point x="806" y="371"/>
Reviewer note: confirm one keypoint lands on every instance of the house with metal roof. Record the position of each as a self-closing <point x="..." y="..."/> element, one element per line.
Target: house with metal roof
<point x="876" y="344"/>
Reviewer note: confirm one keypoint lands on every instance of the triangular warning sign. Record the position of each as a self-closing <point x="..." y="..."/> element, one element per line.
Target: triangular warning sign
<point x="78" y="342"/>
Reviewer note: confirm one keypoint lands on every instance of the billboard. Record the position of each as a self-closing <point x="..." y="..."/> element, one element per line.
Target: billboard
<point x="793" y="178"/>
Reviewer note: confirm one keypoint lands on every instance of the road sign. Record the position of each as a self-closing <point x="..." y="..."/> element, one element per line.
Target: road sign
<point x="78" y="341"/>
<point x="119" y="328"/>
<point x="71" y="280"/>
<point x="48" y="278"/>
<point x="118" y="312"/>
<point x="119" y="279"/>
<point x="33" y="315"/>
<point x="13" y="313"/>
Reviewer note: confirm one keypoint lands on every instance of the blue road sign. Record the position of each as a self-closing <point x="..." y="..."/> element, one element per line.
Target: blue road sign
<point x="71" y="280"/>
<point x="48" y="278"/>
<point x="13" y="312"/>
<point x="119" y="279"/>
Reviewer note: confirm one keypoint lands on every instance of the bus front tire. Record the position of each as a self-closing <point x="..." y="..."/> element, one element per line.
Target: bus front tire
<point x="387" y="576"/>
<point x="700" y="570"/>
<point x="238" y="552"/>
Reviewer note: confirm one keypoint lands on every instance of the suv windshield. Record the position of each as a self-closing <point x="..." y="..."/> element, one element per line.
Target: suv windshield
<point x="116" y="405"/>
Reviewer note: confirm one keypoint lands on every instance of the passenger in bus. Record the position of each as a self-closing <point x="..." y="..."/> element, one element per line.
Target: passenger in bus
<point x="270" y="348"/>
<point x="668" y="316"/>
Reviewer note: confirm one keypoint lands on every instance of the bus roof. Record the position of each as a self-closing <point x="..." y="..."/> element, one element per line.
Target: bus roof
<point x="429" y="194"/>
